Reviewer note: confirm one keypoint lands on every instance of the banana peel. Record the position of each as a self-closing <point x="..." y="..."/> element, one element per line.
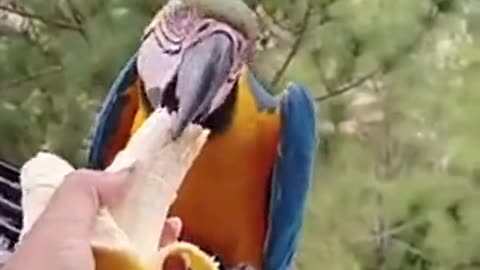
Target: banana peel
<point x="127" y="237"/>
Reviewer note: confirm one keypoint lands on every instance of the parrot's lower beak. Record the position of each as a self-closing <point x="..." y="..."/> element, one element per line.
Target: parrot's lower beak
<point x="204" y="69"/>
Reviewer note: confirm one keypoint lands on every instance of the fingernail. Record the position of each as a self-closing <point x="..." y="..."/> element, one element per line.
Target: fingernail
<point x="176" y="223"/>
<point x="118" y="185"/>
<point x="124" y="175"/>
<point x="128" y="168"/>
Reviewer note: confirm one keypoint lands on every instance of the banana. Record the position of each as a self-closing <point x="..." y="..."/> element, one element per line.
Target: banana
<point x="126" y="237"/>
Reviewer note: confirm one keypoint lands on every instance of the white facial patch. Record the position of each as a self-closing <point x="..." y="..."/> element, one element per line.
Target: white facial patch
<point x="156" y="67"/>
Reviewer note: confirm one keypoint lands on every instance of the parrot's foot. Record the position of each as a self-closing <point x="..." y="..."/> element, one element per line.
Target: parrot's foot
<point x="241" y="266"/>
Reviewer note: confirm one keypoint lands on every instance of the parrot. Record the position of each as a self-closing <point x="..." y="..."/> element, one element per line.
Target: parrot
<point x="244" y="198"/>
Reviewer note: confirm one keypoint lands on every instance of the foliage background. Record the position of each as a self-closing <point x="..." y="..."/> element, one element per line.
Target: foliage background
<point x="397" y="179"/>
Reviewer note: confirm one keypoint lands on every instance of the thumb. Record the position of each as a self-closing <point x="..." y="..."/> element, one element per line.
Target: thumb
<point x="74" y="206"/>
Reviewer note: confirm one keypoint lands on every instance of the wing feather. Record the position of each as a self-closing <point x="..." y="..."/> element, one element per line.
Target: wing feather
<point x="291" y="177"/>
<point x="116" y="115"/>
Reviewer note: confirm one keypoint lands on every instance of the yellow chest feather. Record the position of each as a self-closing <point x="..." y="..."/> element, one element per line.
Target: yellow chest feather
<point x="224" y="199"/>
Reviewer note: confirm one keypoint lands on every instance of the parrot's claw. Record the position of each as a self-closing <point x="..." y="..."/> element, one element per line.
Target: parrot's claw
<point x="242" y="266"/>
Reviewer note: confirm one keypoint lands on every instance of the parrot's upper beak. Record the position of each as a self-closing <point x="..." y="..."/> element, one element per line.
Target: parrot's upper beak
<point x="205" y="67"/>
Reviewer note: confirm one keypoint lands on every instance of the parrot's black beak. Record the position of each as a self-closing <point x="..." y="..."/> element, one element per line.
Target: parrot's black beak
<point x="204" y="69"/>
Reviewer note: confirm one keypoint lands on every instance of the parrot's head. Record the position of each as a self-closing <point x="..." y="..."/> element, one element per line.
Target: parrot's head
<point x="192" y="55"/>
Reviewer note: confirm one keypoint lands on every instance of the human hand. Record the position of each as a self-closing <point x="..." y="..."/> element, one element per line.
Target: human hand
<point x="60" y="239"/>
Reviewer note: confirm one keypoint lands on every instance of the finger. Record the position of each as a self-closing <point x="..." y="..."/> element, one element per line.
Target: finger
<point x="171" y="231"/>
<point x="75" y="204"/>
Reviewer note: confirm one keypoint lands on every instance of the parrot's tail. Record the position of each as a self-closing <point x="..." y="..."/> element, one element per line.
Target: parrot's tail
<point x="10" y="209"/>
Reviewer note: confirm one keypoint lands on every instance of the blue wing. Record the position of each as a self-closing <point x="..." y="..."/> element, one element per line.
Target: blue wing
<point x="291" y="177"/>
<point x="108" y="119"/>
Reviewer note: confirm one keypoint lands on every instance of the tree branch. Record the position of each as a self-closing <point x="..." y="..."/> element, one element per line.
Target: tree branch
<point x="349" y="86"/>
<point x="30" y="77"/>
<point x="411" y="249"/>
<point x="69" y="12"/>
<point x="388" y="65"/>
<point x="58" y="24"/>
<point x="261" y="12"/>
<point x="295" y="47"/>
<point x="12" y="21"/>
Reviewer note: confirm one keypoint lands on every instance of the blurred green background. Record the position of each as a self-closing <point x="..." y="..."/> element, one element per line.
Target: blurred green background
<point x="398" y="173"/>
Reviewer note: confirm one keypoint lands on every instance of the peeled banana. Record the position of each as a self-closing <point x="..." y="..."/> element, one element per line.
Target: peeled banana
<point x="127" y="237"/>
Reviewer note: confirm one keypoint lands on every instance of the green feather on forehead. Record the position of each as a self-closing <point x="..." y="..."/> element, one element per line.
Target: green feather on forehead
<point x="233" y="12"/>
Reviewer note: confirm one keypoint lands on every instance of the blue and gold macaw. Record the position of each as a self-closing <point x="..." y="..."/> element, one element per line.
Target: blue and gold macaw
<point x="244" y="197"/>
